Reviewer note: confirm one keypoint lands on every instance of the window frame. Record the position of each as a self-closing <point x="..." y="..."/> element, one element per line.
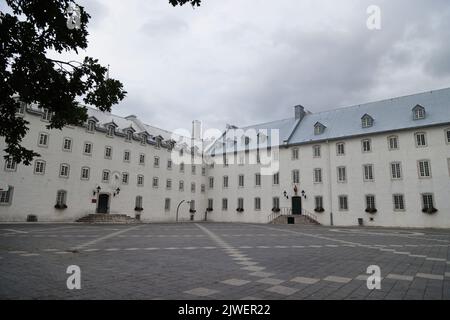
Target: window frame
<point x="108" y="172"/>
<point x="402" y="202"/>
<point x="340" y="207"/>
<point x="91" y="147"/>
<point x="47" y="140"/>
<point x="369" y="144"/>
<point x="65" y="139"/>
<point x="10" y="165"/>
<point x="400" y="170"/>
<point x="390" y="148"/>
<point x="417" y="142"/>
<point x="317" y="151"/>
<point x="338" y="149"/>
<point x="66" y="165"/>
<point x="88" y="173"/>
<point x="338" y="170"/>
<point x="7" y="195"/>
<point x="371" y="171"/>
<point x="429" y="169"/>
<point x="36" y="165"/>
<point x="108" y="157"/>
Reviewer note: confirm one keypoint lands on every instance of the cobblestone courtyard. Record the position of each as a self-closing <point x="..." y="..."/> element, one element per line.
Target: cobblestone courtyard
<point x="221" y="261"/>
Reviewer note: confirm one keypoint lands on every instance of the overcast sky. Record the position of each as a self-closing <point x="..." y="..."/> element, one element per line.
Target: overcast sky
<point x="250" y="61"/>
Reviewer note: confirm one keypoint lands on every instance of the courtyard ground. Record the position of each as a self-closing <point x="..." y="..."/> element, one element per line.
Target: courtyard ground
<point x="221" y="261"/>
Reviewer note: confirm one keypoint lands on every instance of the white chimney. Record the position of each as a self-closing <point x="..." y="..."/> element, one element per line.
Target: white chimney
<point x="196" y="130"/>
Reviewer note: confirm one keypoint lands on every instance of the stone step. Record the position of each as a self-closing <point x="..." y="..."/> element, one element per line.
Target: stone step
<point x="298" y="219"/>
<point x="107" y="218"/>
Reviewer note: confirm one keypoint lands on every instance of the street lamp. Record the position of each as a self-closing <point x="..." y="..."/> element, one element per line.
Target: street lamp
<point x="178" y="207"/>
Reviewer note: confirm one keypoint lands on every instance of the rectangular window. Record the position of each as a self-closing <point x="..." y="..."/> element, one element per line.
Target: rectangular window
<point x="6" y="196"/>
<point x="427" y="201"/>
<point x="110" y="131"/>
<point x="140" y="180"/>
<point x="396" y="170"/>
<point x="225" y="160"/>
<point x="447" y="136"/>
<point x="258" y="179"/>
<point x="421" y="139"/>
<point x="181" y="185"/>
<point x="211" y="182"/>
<point x="138" y="202"/>
<point x="156" y="162"/>
<point x="368" y="172"/>
<point x="168" y="184"/>
<point x="340" y="149"/>
<point x="366" y="145"/>
<point x="225" y="181"/>
<point x="393" y="143"/>
<point x="169" y="164"/>
<point x="43" y="140"/>
<point x="64" y="171"/>
<point x="155" y="182"/>
<point x="257" y="204"/>
<point x="241" y="181"/>
<point x="316" y="152"/>
<point x="424" y="168"/>
<point x="210" y="204"/>
<point x="202" y="188"/>
<point x="167" y="204"/>
<point x="108" y="152"/>
<point x="294" y="154"/>
<point x="276" y="203"/>
<point x="61" y="197"/>
<point x="343" y="203"/>
<point x="85" y="173"/>
<point x="203" y="171"/>
<point x="142" y="159"/>
<point x="126" y="156"/>
<point x="47" y="116"/>
<point x="276" y="179"/>
<point x="240" y="203"/>
<point x="193" y="187"/>
<point x="224" y="204"/>
<point x="125" y="178"/>
<point x="318" y="175"/>
<point x="87" y="148"/>
<point x="318" y="200"/>
<point x="370" y="202"/>
<point x="295" y="176"/>
<point x="193" y="169"/>
<point x="342" y="174"/>
<point x="105" y="176"/>
<point x="399" y="202"/>
<point x="67" y="144"/>
<point x="39" y="167"/>
<point x="91" y="126"/>
<point x="10" y="164"/>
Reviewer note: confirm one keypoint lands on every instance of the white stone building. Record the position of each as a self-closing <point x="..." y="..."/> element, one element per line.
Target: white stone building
<point x="387" y="163"/>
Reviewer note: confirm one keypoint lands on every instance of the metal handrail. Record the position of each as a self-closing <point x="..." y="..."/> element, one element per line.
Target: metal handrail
<point x="310" y="215"/>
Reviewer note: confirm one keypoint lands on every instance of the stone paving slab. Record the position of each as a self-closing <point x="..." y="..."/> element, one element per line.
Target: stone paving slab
<point x="222" y="261"/>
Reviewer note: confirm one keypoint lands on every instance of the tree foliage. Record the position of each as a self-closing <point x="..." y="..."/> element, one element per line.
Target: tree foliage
<point x="27" y="35"/>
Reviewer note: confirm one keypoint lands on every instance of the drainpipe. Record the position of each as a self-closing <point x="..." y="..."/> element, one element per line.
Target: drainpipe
<point x="330" y="188"/>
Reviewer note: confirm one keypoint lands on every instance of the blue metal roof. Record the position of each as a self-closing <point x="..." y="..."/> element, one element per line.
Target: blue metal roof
<point x="389" y="115"/>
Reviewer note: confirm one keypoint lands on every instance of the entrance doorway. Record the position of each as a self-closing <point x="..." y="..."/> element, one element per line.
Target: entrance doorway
<point x="297" y="205"/>
<point x="103" y="203"/>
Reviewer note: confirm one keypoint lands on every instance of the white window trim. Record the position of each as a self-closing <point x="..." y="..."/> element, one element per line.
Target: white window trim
<point x="10" y="193"/>
<point x="39" y="139"/>
<point x="89" y="174"/>
<point x="103" y="176"/>
<point x="14" y="169"/>
<point x="391" y="172"/>
<point x="111" y="153"/>
<point x="157" y="182"/>
<point x="393" y="202"/>
<point x="427" y="194"/>
<point x="339" y="203"/>
<point x="35" y="165"/>
<point x="425" y="138"/>
<point x="84" y="148"/>
<point x="314" y="176"/>
<point x="68" y="170"/>
<point x="128" y="178"/>
<point x="389" y="143"/>
<point x="314" y="151"/>
<point x="337" y="172"/>
<point x="337" y="149"/>
<point x="64" y="144"/>
<point x="429" y="168"/>
<point x="364" y="172"/>
<point x="370" y="145"/>
<point x="446" y="132"/>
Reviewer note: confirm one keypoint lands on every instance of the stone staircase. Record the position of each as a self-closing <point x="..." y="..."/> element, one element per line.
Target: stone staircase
<point x="302" y="220"/>
<point x="108" y="218"/>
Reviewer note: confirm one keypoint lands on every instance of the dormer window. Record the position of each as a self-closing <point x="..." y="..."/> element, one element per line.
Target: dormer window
<point x="47" y="116"/>
<point x="91" y="126"/>
<point x="144" y="139"/>
<point x="366" y="121"/>
<point x="319" y="128"/>
<point x="158" y="142"/>
<point x="110" y="131"/>
<point x="129" y="136"/>
<point x="419" y="112"/>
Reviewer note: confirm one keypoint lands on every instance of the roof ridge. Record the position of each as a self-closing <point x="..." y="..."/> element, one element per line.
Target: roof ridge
<point x="382" y="100"/>
<point x="258" y="124"/>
